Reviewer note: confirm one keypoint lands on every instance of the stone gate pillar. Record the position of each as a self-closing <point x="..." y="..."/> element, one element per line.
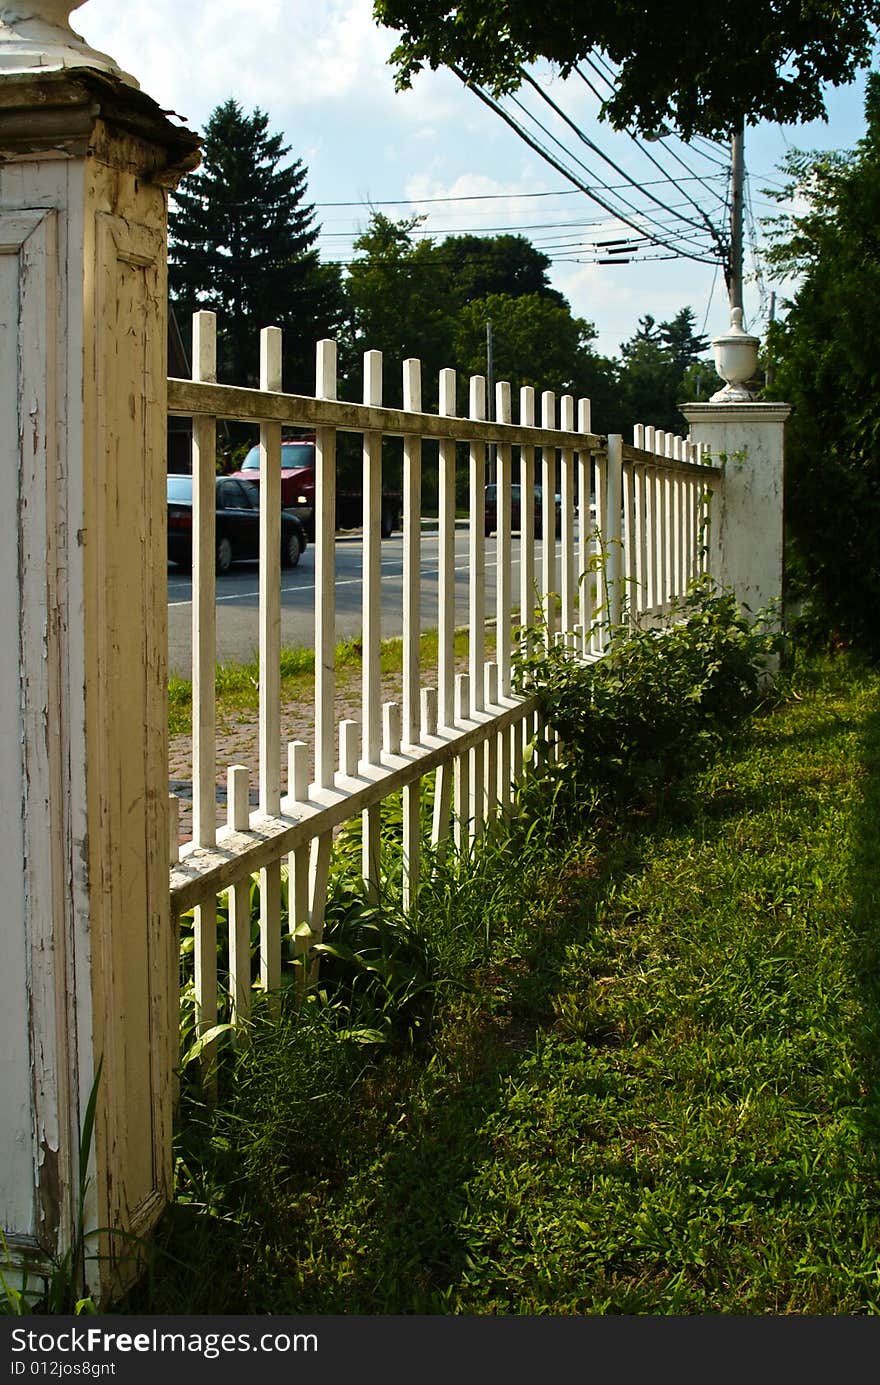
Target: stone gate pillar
<point x="87" y="969"/>
<point x="745" y="524"/>
<point x="747" y="437"/>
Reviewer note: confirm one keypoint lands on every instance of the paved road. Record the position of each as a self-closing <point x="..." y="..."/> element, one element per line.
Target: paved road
<point x="237" y="597"/>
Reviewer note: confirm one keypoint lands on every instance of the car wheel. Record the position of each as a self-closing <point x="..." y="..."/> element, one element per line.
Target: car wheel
<point x="291" y="550"/>
<point x="224" y="554"/>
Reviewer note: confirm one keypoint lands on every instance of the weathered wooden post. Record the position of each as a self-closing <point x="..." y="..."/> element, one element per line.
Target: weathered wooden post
<point x="88" y="980"/>
<point x="747" y="436"/>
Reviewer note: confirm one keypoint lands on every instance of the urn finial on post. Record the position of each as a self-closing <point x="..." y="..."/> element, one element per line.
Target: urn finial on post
<point x="35" y="36"/>
<point x="736" y="360"/>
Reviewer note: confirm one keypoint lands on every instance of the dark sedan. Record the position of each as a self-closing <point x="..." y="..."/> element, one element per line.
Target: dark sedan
<point x="492" y="510"/>
<point x="237" y="524"/>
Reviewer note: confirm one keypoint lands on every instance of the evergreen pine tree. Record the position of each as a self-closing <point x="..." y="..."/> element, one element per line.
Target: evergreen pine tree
<point x="242" y="243"/>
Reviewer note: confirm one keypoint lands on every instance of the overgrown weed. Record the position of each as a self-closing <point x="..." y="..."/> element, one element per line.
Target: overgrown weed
<point x="643" y="1077"/>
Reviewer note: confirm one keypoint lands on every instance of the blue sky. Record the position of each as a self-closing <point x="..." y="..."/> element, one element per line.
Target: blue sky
<point x="320" y="72"/>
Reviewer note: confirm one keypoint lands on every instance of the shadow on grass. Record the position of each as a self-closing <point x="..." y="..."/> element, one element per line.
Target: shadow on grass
<point x="376" y="1216"/>
<point x="865" y="883"/>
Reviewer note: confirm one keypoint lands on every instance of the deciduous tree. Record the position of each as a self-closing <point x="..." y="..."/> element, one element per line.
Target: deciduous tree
<point x="422" y="298"/>
<point x="828" y="367"/>
<point x="535" y="341"/>
<point x="681" y="62"/>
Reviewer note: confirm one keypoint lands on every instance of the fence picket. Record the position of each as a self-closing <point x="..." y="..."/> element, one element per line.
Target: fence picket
<point x="526" y="513"/>
<point x="628" y="536"/>
<point x="298" y="860"/>
<point x="642" y="486"/>
<point x="476" y="602"/>
<point x="504" y="545"/>
<point x="585" y="527"/>
<point x="412" y="554"/>
<point x="204" y="654"/>
<point x="325" y="574"/>
<point x="491" y="765"/>
<point x="319" y="875"/>
<point x="566" y="423"/>
<point x="446" y="575"/>
<point x="237" y="816"/>
<point x="548" y="520"/>
<point x="652" y="535"/>
<point x="614" y="558"/>
<point x="412" y="582"/>
<point x="204" y="608"/>
<point x="599" y="611"/>
<point x="477" y="547"/>
<point x="371" y="616"/>
<point x="270" y="583"/>
<point x="205" y="970"/>
<point x="462" y="788"/>
<point x="173" y="828"/>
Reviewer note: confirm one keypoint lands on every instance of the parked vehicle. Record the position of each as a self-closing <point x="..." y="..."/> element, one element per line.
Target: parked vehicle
<point x="298" y="490"/>
<point x="492" y="510"/>
<point x="237" y="524"/>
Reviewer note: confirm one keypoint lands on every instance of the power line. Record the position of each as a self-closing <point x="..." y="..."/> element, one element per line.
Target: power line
<point x="464" y="197"/>
<point x="649" y="217"/>
<point x="450" y="232"/>
<point x="596" y="60"/>
<point x="602" y="155"/>
<point x="567" y="173"/>
<point x="662" y="140"/>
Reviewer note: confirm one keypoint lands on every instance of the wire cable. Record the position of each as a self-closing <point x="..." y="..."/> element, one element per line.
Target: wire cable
<point x="662" y="140"/>
<point x="602" y="155"/>
<point x="648" y="217"/>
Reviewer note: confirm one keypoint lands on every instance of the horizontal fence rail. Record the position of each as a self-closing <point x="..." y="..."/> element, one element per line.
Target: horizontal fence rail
<point x="617" y="534"/>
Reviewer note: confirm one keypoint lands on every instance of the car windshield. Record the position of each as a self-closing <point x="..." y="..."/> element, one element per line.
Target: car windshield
<point x="180" y="488"/>
<point x="293" y="454"/>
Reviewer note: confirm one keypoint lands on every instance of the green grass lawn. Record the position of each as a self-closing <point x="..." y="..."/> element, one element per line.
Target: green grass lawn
<point x="651" y="1084"/>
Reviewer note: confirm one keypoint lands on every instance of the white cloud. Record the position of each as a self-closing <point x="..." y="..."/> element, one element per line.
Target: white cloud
<point x="319" y="69"/>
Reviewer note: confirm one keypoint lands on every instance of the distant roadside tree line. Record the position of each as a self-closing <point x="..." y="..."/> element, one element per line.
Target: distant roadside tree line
<point x="243" y="242"/>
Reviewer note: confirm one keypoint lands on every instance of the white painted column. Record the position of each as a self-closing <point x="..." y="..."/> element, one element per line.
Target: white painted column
<point x="745" y="515"/>
<point x="88" y="981"/>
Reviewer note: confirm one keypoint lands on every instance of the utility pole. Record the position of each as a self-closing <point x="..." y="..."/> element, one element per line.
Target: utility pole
<point x="737" y="181"/>
<point x="736" y="351"/>
<point x="768" y="380"/>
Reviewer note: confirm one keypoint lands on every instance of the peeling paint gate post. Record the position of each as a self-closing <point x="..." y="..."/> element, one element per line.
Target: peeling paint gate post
<point x="88" y="970"/>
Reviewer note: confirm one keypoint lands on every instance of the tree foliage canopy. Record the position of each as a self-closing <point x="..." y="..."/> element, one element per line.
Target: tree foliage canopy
<point x="242" y="243"/>
<point x="687" y="65"/>
<point x="828" y="368"/>
<point x="482" y="265"/>
<point x="433" y="300"/>
<point x="655" y="373"/>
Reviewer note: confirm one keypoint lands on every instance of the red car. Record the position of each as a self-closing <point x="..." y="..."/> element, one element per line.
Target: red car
<point x="297" y="476"/>
<point x="298" y="490"/>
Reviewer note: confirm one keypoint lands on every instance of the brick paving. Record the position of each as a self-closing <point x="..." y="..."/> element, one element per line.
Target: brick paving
<point x="237" y="738"/>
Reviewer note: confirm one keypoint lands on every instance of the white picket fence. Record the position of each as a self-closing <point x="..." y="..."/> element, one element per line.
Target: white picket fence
<point x="652" y="501"/>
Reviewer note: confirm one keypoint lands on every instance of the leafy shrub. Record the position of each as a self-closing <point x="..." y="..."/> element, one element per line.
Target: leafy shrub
<point x="661" y="700"/>
<point x="377" y="965"/>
